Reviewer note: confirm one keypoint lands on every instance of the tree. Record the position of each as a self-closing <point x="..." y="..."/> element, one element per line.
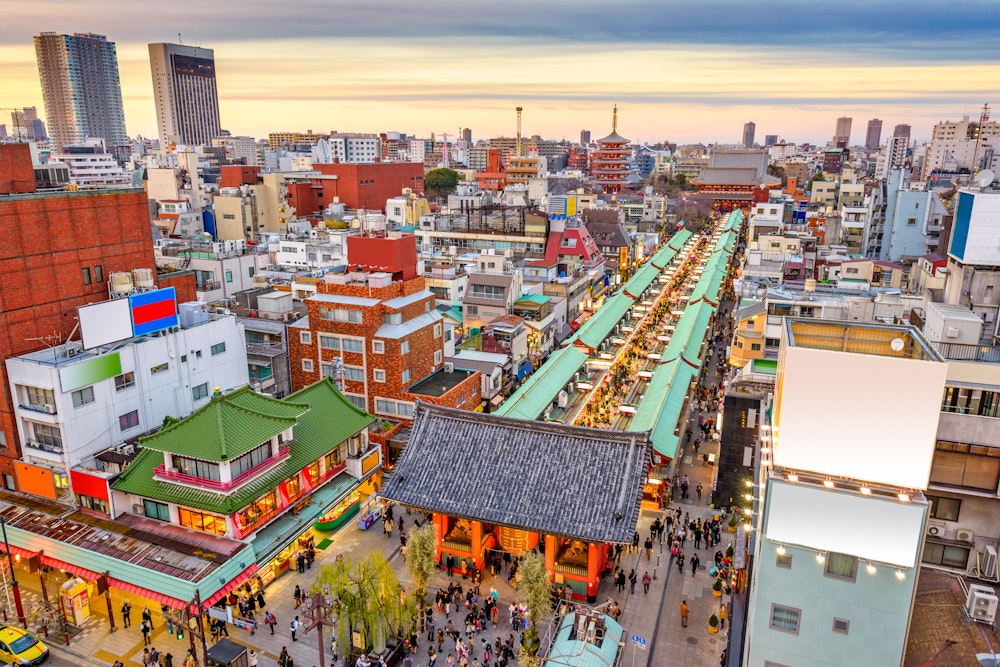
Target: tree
<point x="370" y="602"/>
<point x="442" y="181"/>
<point x="535" y="591"/>
<point x="420" y="562"/>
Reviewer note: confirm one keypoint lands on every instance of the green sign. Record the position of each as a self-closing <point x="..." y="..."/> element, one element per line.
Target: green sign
<point x="89" y="371"/>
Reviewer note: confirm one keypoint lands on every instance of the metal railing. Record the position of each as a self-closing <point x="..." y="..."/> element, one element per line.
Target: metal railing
<point x="986" y="354"/>
<point x="163" y="472"/>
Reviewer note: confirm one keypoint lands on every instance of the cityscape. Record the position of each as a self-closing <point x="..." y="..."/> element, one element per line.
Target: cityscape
<point x="672" y="350"/>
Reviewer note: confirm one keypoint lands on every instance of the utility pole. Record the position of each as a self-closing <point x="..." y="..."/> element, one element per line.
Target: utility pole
<point x="318" y="611"/>
<point x="13" y="579"/>
<point x="196" y="628"/>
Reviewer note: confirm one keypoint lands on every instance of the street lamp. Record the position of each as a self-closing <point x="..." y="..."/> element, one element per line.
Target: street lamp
<point x="13" y="580"/>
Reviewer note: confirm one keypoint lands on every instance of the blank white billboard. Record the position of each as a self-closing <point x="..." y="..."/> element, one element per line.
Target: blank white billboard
<point x="862" y="416"/>
<point x="868" y="527"/>
<point x="105" y="322"/>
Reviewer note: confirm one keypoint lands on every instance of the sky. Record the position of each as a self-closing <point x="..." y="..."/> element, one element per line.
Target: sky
<point x="679" y="71"/>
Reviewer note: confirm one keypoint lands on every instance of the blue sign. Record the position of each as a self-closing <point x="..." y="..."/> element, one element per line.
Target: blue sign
<point x="636" y="639"/>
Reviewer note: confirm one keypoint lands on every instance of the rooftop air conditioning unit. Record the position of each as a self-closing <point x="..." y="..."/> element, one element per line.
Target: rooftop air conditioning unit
<point x="935" y="528"/>
<point x="449" y="367"/>
<point x="138" y="508"/>
<point x="51" y="409"/>
<point x="562" y="399"/>
<point x="981" y="603"/>
<point x="964" y="535"/>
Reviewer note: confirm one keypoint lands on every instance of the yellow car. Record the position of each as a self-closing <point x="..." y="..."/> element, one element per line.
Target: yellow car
<point x="18" y="647"/>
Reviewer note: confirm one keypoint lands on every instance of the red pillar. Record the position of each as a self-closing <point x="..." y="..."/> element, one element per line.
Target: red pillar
<point x="593" y="571"/>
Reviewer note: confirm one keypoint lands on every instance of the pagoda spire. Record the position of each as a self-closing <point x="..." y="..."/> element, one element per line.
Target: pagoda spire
<point x="614" y="120"/>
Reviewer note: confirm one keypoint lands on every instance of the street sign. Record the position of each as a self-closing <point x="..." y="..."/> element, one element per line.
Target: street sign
<point x="639" y="641"/>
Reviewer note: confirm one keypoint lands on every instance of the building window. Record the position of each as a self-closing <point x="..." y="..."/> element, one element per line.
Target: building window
<point x="841" y="566"/>
<point x="332" y="460"/>
<point x="472" y="310"/>
<point x="404" y="347"/>
<point x="85" y="271"/>
<point x="946" y="555"/>
<point x="292" y="488"/>
<point x="353" y="345"/>
<point x="197" y="354"/>
<point x="329" y="342"/>
<point x="341" y="314"/>
<point x="755" y="347"/>
<point x="307" y="365"/>
<point x="200" y="392"/>
<point x="197" y="467"/>
<point x="92" y="503"/>
<point x="841" y="625"/>
<point x="392" y="318"/>
<point x="38" y="398"/>
<point x="405" y="410"/>
<point x="966" y="466"/>
<point x="128" y="420"/>
<point x="785" y="618"/>
<point x="50" y="437"/>
<point x="437" y="330"/>
<point x="946" y="509"/>
<point x="312" y="472"/>
<point x="438" y="355"/>
<point x="784" y="560"/>
<point x="83" y="396"/>
<point x="911" y="221"/>
<point x="206" y="523"/>
<point x="229" y="276"/>
<point x="385" y="407"/>
<point x="218" y="348"/>
<point x="124" y="381"/>
<point x="354" y="374"/>
<point x="405" y="375"/>
<point x="966" y="401"/>
<point x="155" y="510"/>
<point x="305" y="337"/>
<point x="379" y="375"/>
<point x="98" y="274"/>
<point x="160" y="368"/>
<point x="261" y="509"/>
<point x="184" y="358"/>
<point x="253" y="458"/>
<point x="357" y="401"/>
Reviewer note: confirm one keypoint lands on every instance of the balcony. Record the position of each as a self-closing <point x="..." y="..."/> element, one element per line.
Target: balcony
<point x="50" y="447"/>
<point x="361" y="464"/>
<point x="162" y="472"/>
<point x="207" y="286"/>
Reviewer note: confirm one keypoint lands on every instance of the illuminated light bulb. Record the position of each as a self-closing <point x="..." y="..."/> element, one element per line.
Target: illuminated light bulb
<point x="748" y="497"/>
<point x="820" y="558"/>
<point x="900" y="575"/>
<point x="828" y="483"/>
<point x="781" y="550"/>
<point x="904" y="497"/>
<point x="748" y="483"/>
<point x="748" y="526"/>
<point x="872" y="569"/>
<point x="793" y="477"/>
<point x="865" y="491"/>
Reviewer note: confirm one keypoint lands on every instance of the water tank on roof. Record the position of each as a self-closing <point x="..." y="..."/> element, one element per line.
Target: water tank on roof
<point x="143" y="278"/>
<point x="121" y="282"/>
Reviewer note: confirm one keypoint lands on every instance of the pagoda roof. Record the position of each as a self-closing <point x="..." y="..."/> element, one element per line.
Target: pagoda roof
<point x="228" y="426"/>
<point x="613" y="138"/>
<point x="545" y="477"/>
<point x="329" y="420"/>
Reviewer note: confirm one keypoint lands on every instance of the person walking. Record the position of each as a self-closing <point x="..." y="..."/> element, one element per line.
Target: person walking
<point x="695" y="562"/>
<point x="646" y="581"/>
<point x="293" y="627"/>
<point x="632" y="579"/>
<point x="620" y="580"/>
<point x="145" y="629"/>
<point x="698" y="489"/>
<point x="126" y="614"/>
<point x="723" y="615"/>
<point x="148" y="617"/>
<point x="684" y="613"/>
<point x="283" y="657"/>
<point x="298" y="596"/>
<point x="649" y="548"/>
<point x="271" y="620"/>
<point x="680" y="561"/>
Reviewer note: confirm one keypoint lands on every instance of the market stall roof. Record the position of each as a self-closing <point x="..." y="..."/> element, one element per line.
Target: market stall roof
<point x="543" y="386"/>
<point x="544" y="477"/>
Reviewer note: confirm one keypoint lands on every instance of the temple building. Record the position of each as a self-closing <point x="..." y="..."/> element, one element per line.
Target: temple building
<point x="735" y="179"/>
<point x="610" y="161"/>
<point x="572" y="492"/>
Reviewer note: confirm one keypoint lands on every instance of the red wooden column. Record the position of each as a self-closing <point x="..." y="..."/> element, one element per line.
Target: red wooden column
<point x="551" y="545"/>
<point x="477" y="544"/>
<point x="593" y="571"/>
<point x="440" y="528"/>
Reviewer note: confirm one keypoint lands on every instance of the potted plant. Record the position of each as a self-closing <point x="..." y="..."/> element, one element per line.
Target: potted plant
<point x="729" y="552"/>
<point x="713" y="624"/>
<point x="717" y="588"/>
<point x="732" y="524"/>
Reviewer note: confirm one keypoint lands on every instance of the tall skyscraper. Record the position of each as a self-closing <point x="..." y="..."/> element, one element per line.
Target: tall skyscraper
<point x="843" y="132"/>
<point x="584" y="137"/>
<point x="902" y="130"/>
<point x="748" y="131"/>
<point x="185" y="94"/>
<point x="467" y="135"/>
<point x="873" y="138"/>
<point x="80" y="87"/>
<point x="770" y="140"/>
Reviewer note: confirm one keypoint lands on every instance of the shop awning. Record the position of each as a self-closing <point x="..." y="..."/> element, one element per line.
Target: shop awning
<point x="148" y="594"/>
<point x="232" y="585"/>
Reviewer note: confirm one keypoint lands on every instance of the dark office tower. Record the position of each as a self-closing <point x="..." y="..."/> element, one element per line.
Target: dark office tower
<point x="748" y="131"/>
<point x="467" y="135"/>
<point x="80" y="87"/>
<point x="873" y="138"/>
<point x="770" y="140"/>
<point x="584" y="137"/>
<point x="184" y="92"/>
<point x="842" y="135"/>
<point x="902" y="130"/>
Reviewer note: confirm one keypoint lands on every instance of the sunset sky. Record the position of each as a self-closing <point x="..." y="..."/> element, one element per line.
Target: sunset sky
<point x="679" y="71"/>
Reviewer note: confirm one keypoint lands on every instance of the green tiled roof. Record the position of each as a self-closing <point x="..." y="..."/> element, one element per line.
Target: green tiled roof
<point x="535" y="298"/>
<point x="330" y="420"/>
<point x="227" y="427"/>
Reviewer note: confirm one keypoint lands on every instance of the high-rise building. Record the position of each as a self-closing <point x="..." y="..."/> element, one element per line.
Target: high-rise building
<point x="873" y="138"/>
<point x="467" y="135"/>
<point x="27" y="124"/>
<point x="748" y="131"/>
<point x="770" y="140"/>
<point x="902" y="130"/>
<point x="584" y="137"/>
<point x="842" y="135"/>
<point x="185" y="94"/>
<point x="80" y="88"/>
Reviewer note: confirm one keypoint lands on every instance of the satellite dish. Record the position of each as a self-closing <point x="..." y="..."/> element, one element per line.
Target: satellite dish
<point x="985" y="178"/>
<point x="355" y="223"/>
<point x="896" y="344"/>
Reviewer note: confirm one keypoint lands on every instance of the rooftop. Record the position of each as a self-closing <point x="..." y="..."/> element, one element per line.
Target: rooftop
<point x="440" y="383"/>
<point x="886" y="340"/>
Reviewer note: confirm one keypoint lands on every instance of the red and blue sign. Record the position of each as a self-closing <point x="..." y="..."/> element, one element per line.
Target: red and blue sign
<point x="153" y="311"/>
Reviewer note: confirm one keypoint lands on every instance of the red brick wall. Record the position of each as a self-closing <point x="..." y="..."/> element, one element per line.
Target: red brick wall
<point x="182" y="281"/>
<point x="382" y="181"/>
<point x="235" y="175"/>
<point x="16" y="173"/>
<point x="48" y="240"/>
<point x="303" y="198"/>
<point x="464" y="396"/>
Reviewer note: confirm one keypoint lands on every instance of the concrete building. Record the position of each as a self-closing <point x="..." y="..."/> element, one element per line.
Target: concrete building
<point x="221" y="268"/>
<point x="873" y="136"/>
<point x="842" y="133"/>
<point x="841" y="590"/>
<point x="80" y="88"/>
<point x="242" y="150"/>
<point x="365" y="148"/>
<point x="748" y="132"/>
<point x="91" y="165"/>
<point x="74" y="403"/>
<point x="184" y="93"/>
<point x="973" y="260"/>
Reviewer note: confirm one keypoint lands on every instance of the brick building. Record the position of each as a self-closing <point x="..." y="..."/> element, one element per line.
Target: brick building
<point x="366" y="186"/>
<point x="59" y="250"/>
<point x="379" y="319"/>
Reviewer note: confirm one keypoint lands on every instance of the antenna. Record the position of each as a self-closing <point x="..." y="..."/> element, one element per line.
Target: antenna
<point x="179" y="40"/>
<point x="518" y="131"/>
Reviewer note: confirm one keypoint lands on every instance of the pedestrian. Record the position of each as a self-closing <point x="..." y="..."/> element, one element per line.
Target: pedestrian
<point x="635" y="542"/>
<point x="724" y="658"/>
<point x="649" y="548"/>
<point x="126" y="614"/>
<point x="387" y="527"/>
<point x="294" y="627"/>
<point x="144" y="628"/>
<point x="283" y="657"/>
<point x="270" y="620"/>
<point x="632" y="579"/>
<point x="300" y="562"/>
<point x="684" y="613"/>
<point x="620" y="580"/>
<point x="646" y="581"/>
<point x="260" y="599"/>
<point x="680" y="561"/>
<point x="695" y="562"/>
<point x="723" y="615"/>
<point x="298" y="596"/>
<point x="147" y="616"/>
<point x="251" y="659"/>
<point x="698" y="489"/>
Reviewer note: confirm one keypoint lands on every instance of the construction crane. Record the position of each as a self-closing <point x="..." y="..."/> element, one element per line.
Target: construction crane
<point x="984" y="118"/>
